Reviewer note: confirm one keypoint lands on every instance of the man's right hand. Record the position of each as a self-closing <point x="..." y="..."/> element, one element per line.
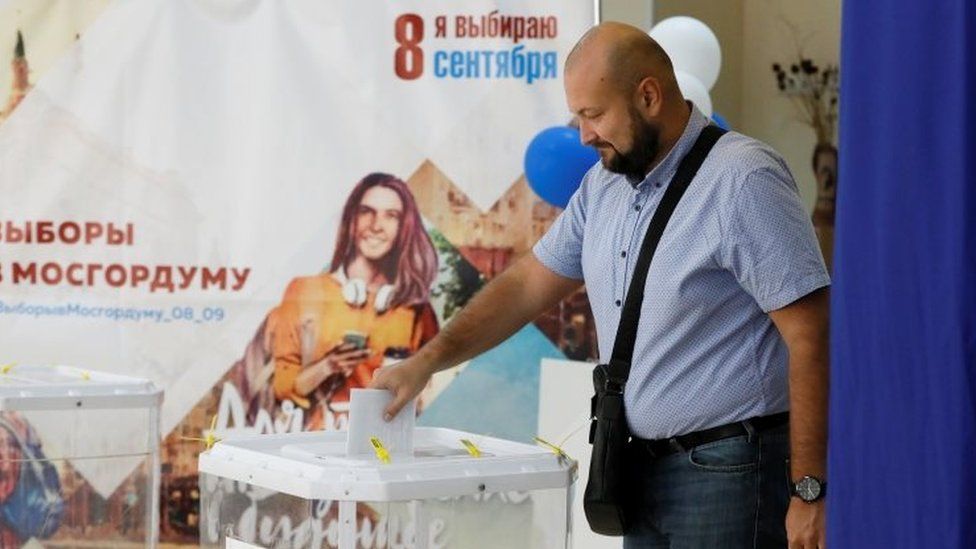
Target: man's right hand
<point x="511" y="300"/>
<point x="405" y="380"/>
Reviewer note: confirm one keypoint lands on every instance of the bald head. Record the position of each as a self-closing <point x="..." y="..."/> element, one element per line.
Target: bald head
<point x="621" y="89"/>
<point x="622" y="56"/>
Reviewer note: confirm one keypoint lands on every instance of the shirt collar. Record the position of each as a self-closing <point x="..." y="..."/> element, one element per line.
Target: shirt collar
<point x="665" y="170"/>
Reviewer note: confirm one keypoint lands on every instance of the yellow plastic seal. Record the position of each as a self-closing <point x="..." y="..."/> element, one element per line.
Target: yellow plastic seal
<point x="382" y="453"/>
<point x="471" y="448"/>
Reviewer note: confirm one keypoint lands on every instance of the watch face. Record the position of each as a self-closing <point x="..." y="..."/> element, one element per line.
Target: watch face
<point x="808" y="489"/>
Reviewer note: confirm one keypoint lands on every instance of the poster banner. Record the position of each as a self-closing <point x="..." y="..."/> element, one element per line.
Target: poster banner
<point x="258" y="203"/>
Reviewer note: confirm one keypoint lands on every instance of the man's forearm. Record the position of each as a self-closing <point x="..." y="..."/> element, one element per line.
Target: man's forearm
<point x="805" y="327"/>
<point x="809" y="382"/>
<point x="501" y="308"/>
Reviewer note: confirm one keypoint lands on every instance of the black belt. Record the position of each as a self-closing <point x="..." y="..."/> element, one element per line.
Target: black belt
<point x="683" y="443"/>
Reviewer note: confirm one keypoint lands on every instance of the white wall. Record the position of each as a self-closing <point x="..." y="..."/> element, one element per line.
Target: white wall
<point x="754" y="34"/>
<point x="725" y="20"/>
<point x="768" y="37"/>
<point x="635" y="12"/>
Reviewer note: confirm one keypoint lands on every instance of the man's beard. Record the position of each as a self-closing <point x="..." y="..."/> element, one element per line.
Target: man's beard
<point x="646" y="143"/>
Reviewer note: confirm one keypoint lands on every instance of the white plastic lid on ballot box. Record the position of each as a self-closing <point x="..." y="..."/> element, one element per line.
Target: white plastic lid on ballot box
<point x="302" y="490"/>
<point x="314" y="466"/>
<point x="34" y="387"/>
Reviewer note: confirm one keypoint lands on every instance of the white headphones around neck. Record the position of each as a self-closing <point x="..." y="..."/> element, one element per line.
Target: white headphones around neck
<point x="355" y="293"/>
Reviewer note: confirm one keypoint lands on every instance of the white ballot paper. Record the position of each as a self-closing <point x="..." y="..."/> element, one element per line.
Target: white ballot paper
<point x="366" y="420"/>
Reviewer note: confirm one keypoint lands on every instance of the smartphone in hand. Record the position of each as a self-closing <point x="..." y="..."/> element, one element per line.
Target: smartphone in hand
<point x="354" y="338"/>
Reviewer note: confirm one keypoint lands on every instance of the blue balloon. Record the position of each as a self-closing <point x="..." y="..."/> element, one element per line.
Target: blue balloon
<point x="555" y="163"/>
<point x="721" y="121"/>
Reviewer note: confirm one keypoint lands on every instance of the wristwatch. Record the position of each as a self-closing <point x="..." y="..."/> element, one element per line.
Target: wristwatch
<point x="809" y="489"/>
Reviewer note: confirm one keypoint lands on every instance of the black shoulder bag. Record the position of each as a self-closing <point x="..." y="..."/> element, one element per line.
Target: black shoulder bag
<point x="604" y="499"/>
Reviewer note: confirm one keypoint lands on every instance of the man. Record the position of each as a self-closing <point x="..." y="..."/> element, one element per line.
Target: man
<point x="733" y="328"/>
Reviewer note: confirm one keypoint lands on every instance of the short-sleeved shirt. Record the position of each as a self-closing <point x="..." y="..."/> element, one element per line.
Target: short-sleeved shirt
<point x="739" y="245"/>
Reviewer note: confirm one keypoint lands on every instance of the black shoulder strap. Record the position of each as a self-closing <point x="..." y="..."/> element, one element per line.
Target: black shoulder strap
<point x="623" y="347"/>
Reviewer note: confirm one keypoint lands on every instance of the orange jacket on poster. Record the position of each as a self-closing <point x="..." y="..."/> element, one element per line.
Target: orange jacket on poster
<point x="313" y="318"/>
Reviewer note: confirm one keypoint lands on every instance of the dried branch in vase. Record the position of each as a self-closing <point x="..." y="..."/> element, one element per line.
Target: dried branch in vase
<point x="814" y="92"/>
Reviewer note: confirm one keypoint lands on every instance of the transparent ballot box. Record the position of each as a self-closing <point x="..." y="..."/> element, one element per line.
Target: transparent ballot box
<point x="79" y="458"/>
<point x="454" y="490"/>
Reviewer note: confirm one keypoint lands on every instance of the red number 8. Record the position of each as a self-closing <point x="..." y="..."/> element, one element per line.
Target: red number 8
<point x="409" y="58"/>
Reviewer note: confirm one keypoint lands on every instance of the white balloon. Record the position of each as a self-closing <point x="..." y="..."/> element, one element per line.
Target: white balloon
<point x="694" y="91"/>
<point x="692" y="46"/>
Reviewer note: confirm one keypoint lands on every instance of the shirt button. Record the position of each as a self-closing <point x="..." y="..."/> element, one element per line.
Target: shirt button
<point x="623" y="253"/>
<point x="617" y="303"/>
<point x="658" y="185"/>
<point x="637" y="207"/>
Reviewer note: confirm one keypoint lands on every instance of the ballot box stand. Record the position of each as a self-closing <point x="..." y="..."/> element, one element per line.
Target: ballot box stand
<point x="84" y="449"/>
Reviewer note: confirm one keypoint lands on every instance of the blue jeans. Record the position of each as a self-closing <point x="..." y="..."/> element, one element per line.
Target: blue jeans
<point x="728" y="494"/>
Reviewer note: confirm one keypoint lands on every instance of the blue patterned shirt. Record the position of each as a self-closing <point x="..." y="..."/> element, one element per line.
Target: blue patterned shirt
<point x="739" y="245"/>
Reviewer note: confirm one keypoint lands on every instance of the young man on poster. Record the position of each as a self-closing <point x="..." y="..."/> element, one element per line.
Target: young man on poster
<point x="733" y="329"/>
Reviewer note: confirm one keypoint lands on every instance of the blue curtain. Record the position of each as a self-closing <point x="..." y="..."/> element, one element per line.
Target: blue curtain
<point x="902" y="464"/>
